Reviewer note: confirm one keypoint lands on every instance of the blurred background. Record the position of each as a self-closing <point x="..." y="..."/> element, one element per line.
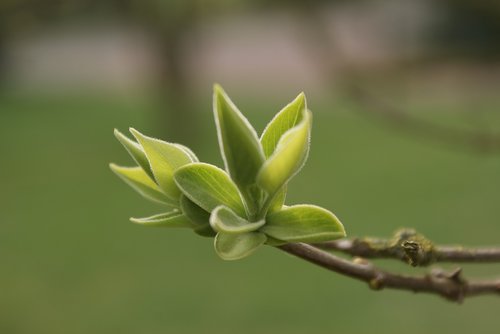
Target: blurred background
<point x="406" y="103"/>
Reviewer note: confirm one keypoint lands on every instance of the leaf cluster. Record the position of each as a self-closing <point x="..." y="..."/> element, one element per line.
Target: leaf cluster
<point x="241" y="206"/>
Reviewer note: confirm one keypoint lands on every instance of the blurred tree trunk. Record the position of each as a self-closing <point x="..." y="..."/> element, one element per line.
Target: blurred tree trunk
<point x="169" y="22"/>
<point x="177" y="115"/>
<point x="3" y="57"/>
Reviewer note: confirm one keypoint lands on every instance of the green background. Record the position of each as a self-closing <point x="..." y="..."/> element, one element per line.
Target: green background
<point x="71" y="262"/>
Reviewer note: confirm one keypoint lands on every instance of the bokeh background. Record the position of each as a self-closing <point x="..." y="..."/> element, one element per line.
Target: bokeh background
<point x="406" y="103"/>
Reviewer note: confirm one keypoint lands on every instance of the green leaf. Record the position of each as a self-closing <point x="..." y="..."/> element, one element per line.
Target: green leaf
<point x="279" y="200"/>
<point x="196" y="214"/>
<point x="224" y="220"/>
<point x="205" y="231"/>
<point x="288" y="158"/>
<point x="137" y="178"/>
<point x="164" y="158"/>
<point x="238" y="141"/>
<point x="274" y="242"/>
<point x="170" y="219"/>
<point x="198" y="217"/>
<point x="189" y="152"/>
<point x="136" y="151"/>
<point x="209" y="187"/>
<point x="237" y="246"/>
<point x="287" y="118"/>
<point x="303" y="223"/>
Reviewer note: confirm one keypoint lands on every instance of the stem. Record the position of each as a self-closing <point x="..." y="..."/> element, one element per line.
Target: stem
<point x="450" y="286"/>
<point x="411" y="247"/>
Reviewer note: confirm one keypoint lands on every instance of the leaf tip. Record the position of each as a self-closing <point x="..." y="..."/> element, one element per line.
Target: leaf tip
<point x="218" y="88"/>
<point x="134" y="132"/>
<point x="135" y="220"/>
<point x="301" y="98"/>
<point x="220" y="96"/>
<point x="113" y="166"/>
<point x="120" y="136"/>
<point x="138" y="221"/>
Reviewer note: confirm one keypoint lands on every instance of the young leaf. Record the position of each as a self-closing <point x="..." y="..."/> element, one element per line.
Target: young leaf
<point x="287" y="118"/>
<point x="224" y="220"/>
<point x="198" y="217"/>
<point x="303" y="223"/>
<point x="274" y="242"/>
<point x="196" y="214"/>
<point x="237" y="246"/>
<point x="209" y="187"/>
<point x="279" y="200"/>
<point x="136" y="151"/>
<point x="205" y="231"/>
<point x="137" y="178"/>
<point x="170" y="219"/>
<point x="239" y="144"/>
<point x="288" y="158"/>
<point x="164" y="159"/>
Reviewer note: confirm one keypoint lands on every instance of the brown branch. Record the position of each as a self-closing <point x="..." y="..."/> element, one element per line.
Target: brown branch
<point x="411" y="247"/>
<point x="461" y="254"/>
<point x="448" y="285"/>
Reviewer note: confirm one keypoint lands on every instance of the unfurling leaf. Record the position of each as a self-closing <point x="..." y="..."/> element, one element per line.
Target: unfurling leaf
<point x="209" y="187"/>
<point x="136" y="151"/>
<point x="237" y="246"/>
<point x="164" y="159"/>
<point x="170" y="219"/>
<point x="239" y="144"/>
<point x="224" y="220"/>
<point x="288" y="158"/>
<point x="287" y="118"/>
<point x="137" y="178"/>
<point x="279" y="200"/>
<point x="303" y="223"/>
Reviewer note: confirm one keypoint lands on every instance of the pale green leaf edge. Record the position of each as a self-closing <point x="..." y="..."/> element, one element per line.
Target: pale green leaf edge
<point x="260" y="240"/>
<point x="239" y="225"/>
<point x="174" y="218"/>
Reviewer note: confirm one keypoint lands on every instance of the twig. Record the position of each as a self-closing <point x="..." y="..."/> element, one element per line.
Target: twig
<point x="411" y="247"/>
<point x="448" y="285"/>
<point x="460" y="254"/>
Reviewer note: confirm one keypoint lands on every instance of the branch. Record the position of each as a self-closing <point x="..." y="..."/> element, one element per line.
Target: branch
<point x="411" y="247"/>
<point x="448" y="285"/>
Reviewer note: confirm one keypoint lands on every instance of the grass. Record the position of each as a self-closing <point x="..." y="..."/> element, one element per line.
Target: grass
<point x="72" y="263"/>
